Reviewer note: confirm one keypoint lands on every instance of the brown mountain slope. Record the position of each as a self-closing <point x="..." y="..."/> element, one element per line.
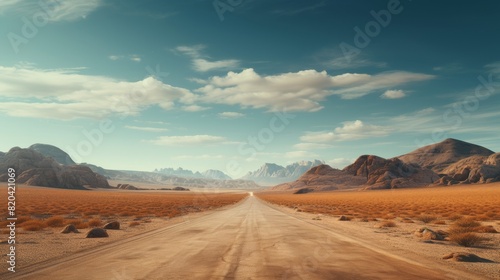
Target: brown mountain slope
<point x="33" y="168"/>
<point x="440" y="155"/>
<point x="392" y="173"/>
<point x="474" y="169"/>
<point x="367" y="172"/>
<point x="323" y="177"/>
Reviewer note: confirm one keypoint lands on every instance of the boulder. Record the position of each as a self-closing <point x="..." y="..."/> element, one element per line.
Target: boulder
<point x="114" y="225"/>
<point x="464" y="257"/>
<point x="70" y="228"/>
<point x="96" y="233"/>
<point x="428" y="234"/>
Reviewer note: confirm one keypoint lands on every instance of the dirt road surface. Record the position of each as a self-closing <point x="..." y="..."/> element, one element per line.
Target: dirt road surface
<point x="248" y="241"/>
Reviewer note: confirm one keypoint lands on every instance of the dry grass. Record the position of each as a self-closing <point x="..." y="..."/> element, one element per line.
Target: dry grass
<point x="466" y="239"/>
<point x="46" y="207"/>
<point x="56" y="221"/>
<point x="424" y="204"/>
<point x="33" y="225"/>
<point x="96" y="222"/>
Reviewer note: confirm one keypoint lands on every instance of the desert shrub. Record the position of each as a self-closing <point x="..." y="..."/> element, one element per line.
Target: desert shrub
<point x="387" y="224"/>
<point x="33" y="225"/>
<point x="56" y="221"/>
<point x="96" y="222"/>
<point x="455" y="217"/>
<point x="439" y="222"/>
<point x="78" y="223"/>
<point x="466" y="239"/>
<point x="467" y="223"/>
<point x="485" y="229"/>
<point x="426" y="218"/>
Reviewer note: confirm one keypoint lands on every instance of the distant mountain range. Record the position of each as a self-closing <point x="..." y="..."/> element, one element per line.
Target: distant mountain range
<point x="446" y="163"/>
<point x="47" y="165"/>
<point x="271" y="174"/>
<point x="180" y="172"/>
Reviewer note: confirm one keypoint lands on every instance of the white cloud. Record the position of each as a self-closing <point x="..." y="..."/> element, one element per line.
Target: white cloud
<point x="311" y="146"/>
<point x="230" y="115"/>
<point x="353" y="130"/>
<point x="393" y="94"/>
<point x="146" y="129"/>
<point x="343" y="62"/>
<point x="67" y="10"/>
<point x="339" y="163"/>
<point x="132" y="57"/>
<point x="300" y="155"/>
<point x="66" y="94"/>
<point x="298" y="91"/>
<point x="195" y="108"/>
<point x="494" y="68"/>
<point x="201" y="63"/>
<point x="188" y="140"/>
<point x="198" y="157"/>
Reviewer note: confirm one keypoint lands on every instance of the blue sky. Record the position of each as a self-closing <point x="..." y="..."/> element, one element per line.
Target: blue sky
<point x="231" y="85"/>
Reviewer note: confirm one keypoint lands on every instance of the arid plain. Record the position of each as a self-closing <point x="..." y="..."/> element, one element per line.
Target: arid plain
<point x="263" y="235"/>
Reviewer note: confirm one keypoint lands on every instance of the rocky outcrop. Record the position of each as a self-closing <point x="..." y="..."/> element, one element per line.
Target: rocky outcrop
<point x="474" y="169"/>
<point x="126" y="187"/>
<point x="441" y="155"/>
<point x="114" y="225"/>
<point x="33" y="168"/>
<point x="53" y="152"/>
<point x="392" y="173"/>
<point x="96" y="233"/>
<point x="323" y="177"/>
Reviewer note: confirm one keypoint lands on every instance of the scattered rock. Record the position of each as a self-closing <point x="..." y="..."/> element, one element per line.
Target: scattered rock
<point x="464" y="257"/>
<point x="303" y="190"/>
<point x="428" y="234"/>
<point x="344" y="218"/>
<point x="97" y="233"/>
<point x="317" y="218"/>
<point x="70" y="228"/>
<point x="112" y="225"/>
<point x="126" y="187"/>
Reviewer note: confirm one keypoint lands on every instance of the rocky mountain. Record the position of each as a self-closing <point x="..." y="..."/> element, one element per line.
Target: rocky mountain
<point x="474" y="169"/>
<point x="441" y="155"/>
<point x="367" y="172"/>
<point x="33" y="168"/>
<point x="322" y="178"/>
<point x="186" y="173"/>
<point x="54" y="152"/>
<point x="392" y="173"/>
<point x="457" y="162"/>
<point x="215" y="174"/>
<point x="272" y="174"/>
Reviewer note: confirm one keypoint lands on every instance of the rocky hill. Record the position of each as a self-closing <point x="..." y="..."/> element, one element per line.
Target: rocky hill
<point x="33" y="168"/>
<point x="441" y="155"/>
<point x="54" y="152"/>
<point x="272" y="174"/>
<point x="392" y="173"/>
<point x="367" y="172"/>
<point x="186" y="173"/>
<point x="474" y="169"/>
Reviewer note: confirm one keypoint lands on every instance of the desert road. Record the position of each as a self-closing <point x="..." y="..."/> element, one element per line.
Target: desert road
<point x="247" y="241"/>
